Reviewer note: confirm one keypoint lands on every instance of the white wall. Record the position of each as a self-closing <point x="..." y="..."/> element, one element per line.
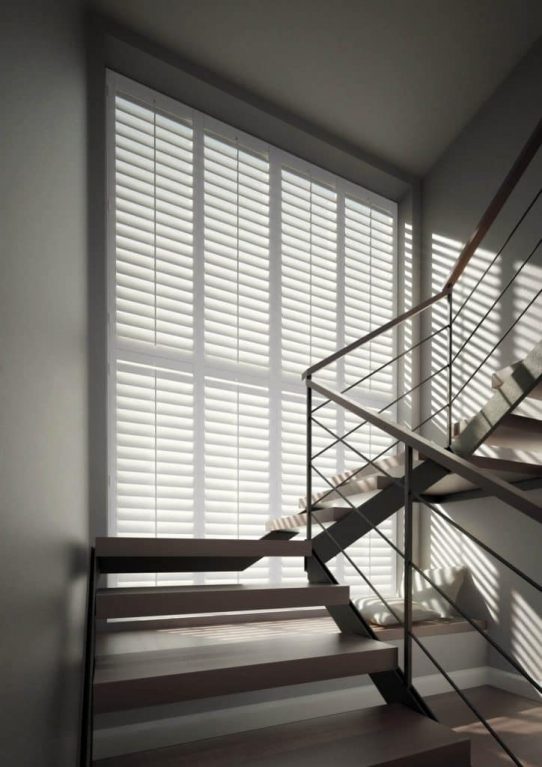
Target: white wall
<point x="455" y="193"/>
<point x="43" y="453"/>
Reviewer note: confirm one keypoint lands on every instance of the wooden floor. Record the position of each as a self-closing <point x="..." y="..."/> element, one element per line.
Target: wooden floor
<point x="517" y="720"/>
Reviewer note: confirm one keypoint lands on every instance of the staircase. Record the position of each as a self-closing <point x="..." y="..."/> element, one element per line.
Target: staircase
<point x="484" y="455"/>
<point x="165" y="674"/>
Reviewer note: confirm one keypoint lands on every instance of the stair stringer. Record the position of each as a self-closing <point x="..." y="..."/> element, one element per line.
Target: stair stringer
<point x="525" y="377"/>
<point x="329" y="543"/>
<point x="390" y="684"/>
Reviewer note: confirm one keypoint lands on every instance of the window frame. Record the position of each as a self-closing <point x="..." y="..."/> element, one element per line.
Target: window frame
<point x="273" y="378"/>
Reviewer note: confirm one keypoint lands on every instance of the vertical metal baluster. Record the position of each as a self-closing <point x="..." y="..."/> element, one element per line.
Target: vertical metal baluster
<point x="450" y="356"/>
<point x="309" y="458"/>
<point x="407" y="639"/>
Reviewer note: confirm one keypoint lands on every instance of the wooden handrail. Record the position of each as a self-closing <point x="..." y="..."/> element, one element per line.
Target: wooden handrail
<point x="503" y="193"/>
<point x="482" y="478"/>
<point x="374" y="333"/>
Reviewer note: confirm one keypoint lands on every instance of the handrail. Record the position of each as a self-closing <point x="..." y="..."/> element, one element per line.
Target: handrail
<point x="517" y="170"/>
<point x="454" y="463"/>
<point x="373" y="334"/>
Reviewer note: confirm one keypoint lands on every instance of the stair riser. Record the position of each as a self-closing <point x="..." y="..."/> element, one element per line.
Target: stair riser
<point x="111" y="605"/>
<point x="137" y="693"/>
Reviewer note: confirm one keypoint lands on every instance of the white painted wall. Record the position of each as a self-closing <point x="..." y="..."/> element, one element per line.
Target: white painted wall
<point x="43" y="414"/>
<point x="455" y="193"/>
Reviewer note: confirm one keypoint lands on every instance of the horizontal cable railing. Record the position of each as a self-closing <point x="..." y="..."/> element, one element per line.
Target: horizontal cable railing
<point x="409" y="438"/>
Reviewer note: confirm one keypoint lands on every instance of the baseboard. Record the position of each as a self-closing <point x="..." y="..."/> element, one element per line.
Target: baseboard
<point x="140" y="736"/>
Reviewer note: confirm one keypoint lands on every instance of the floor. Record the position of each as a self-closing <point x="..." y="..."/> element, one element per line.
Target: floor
<point x="516" y="719"/>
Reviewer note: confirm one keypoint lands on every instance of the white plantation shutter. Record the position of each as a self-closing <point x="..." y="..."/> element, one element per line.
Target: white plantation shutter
<point x="369" y="255"/>
<point x="308" y="271"/>
<point x="154" y="458"/>
<point x="153" y="214"/>
<point x="236" y="189"/>
<point x="233" y="266"/>
<point x="237" y="466"/>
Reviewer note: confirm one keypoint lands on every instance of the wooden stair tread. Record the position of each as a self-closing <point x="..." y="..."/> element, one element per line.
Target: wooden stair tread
<point x="389" y="735"/>
<point x="299" y="520"/>
<point x="134" y="679"/>
<point x="369" y="478"/>
<point x="517" y="432"/>
<point x="177" y="600"/>
<point x="498" y="378"/>
<point x="511" y="471"/>
<point x="525" y="377"/>
<point x="131" y="555"/>
<point x="199" y="547"/>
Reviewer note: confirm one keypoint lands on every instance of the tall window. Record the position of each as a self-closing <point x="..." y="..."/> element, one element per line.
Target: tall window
<point x="233" y="266"/>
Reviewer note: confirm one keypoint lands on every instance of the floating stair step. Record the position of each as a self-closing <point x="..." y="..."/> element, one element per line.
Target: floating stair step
<point x="150" y="555"/>
<point x="383" y="736"/>
<point x="510" y="471"/>
<point x="525" y="377"/>
<point x="134" y="680"/>
<point x="498" y="378"/>
<point x="358" y="481"/>
<point x="299" y="521"/>
<point x="178" y="600"/>
<point x="517" y="432"/>
<point x="366" y="484"/>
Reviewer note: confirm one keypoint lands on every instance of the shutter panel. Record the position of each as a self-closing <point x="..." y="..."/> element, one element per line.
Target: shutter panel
<point x="237" y="466"/>
<point x="369" y="282"/>
<point x="153" y="237"/>
<point x="236" y="253"/>
<point x="154" y="471"/>
<point x="308" y="272"/>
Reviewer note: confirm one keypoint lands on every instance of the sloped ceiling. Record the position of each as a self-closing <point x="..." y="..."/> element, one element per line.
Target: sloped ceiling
<point x="398" y="78"/>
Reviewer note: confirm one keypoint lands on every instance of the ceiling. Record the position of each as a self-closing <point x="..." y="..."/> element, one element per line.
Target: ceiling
<point x="397" y="78"/>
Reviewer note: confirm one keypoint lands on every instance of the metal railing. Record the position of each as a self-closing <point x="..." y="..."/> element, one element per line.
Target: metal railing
<point x="413" y="443"/>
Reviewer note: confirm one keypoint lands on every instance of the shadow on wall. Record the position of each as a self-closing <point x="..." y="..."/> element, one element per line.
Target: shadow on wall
<point x="498" y="325"/>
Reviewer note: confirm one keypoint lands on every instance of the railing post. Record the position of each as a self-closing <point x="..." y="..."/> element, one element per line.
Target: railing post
<point x="450" y="365"/>
<point x="309" y="458"/>
<point x="407" y="639"/>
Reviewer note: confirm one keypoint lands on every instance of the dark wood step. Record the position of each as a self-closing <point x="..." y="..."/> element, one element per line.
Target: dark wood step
<point x="299" y="521"/>
<point x="498" y="378"/>
<point x="179" y="600"/>
<point x="383" y="736"/>
<point x="133" y="680"/>
<point x="150" y="555"/>
<point x="526" y="376"/>
<point x="517" y="432"/>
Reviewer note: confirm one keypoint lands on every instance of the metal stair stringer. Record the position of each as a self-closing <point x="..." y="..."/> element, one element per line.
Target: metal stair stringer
<point x="390" y="684"/>
<point x="329" y="543"/>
